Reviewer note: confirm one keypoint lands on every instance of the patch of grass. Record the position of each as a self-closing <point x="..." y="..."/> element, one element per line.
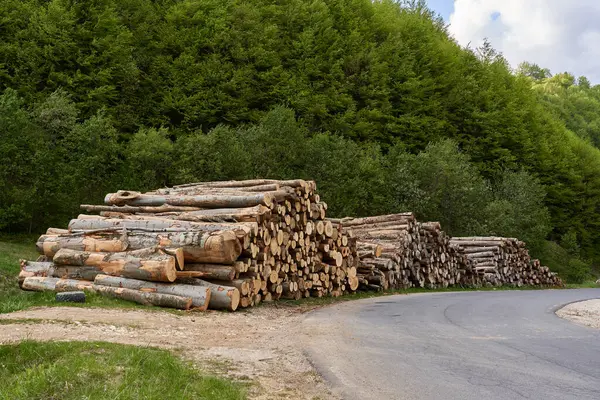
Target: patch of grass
<point x="97" y="370"/>
<point x="584" y="285"/>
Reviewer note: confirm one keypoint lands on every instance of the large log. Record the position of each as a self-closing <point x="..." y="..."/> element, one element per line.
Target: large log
<point x="219" y="247"/>
<point x="200" y="295"/>
<point x="86" y="273"/>
<point x="145" y="264"/>
<point x="39" y="284"/>
<point x="215" y="271"/>
<point x="34" y="268"/>
<point x="221" y="297"/>
<point x="208" y="201"/>
<point x="148" y="224"/>
<point x="248" y="214"/>
<point x="48" y="245"/>
<point x="348" y="221"/>
<point x="70" y="285"/>
<point x="136" y="210"/>
<point x="252" y="182"/>
<point x="219" y="215"/>
<point x="145" y="298"/>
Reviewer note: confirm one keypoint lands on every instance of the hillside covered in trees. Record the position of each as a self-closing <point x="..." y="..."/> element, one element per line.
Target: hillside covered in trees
<point x="373" y="100"/>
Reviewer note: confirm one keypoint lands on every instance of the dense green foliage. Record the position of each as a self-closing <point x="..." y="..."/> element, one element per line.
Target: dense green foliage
<point x="371" y="99"/>
<point x="97" y="370"/>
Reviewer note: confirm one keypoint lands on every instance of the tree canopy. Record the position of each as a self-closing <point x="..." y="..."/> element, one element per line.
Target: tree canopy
<point x="374" y="100"/>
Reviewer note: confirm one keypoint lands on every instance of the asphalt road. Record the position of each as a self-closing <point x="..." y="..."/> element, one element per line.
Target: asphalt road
<point x="467" y="345"/>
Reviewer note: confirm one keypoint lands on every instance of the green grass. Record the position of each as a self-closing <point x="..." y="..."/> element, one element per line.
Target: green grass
<point x="12" y="298"/>
<point x="97" y="370"/>
<point x="584" y="285"/>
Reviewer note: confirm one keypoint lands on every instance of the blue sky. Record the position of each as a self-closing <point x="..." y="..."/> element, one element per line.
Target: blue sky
<point x="443" y="7"/>
<point x="562" y="35"/>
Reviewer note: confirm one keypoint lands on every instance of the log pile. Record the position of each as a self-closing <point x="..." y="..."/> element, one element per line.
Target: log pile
<point x="505" y="261"/>
<point x="218" y="245"/>
<point x="396" y="251"/>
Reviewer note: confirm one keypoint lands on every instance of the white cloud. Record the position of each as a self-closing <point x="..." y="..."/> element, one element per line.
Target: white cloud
<point x="562" y="35"/>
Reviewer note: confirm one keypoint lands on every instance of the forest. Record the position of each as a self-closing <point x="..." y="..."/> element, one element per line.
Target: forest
<point x="373" y="100"/>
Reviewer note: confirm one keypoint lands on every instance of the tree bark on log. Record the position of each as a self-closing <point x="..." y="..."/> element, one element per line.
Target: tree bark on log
<point x="48" y="245"/>
<point x="86" y="273"/>
<point x="39" y="284"/>
<point x="200" y="295"/>
<point x="221" y="297"/>
<point x="210" y="201"/>
<point x="145" y="298"/>
<point x="349" y="221"/>
<point x="94" y="222"/>
<point x="219" y="247"/>
<point x="145" y="264"/>
<point x="71" y="285"/>
<point x="137" y="210"/>
<point x="34" y="268"/>
<point x="215" y="271"/>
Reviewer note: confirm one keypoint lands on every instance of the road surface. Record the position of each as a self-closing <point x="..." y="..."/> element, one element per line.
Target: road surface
<point x="465" y="346"/>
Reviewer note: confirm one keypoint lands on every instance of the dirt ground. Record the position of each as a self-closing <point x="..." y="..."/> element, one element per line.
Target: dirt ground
<point x="261" y="346"/>
<point x="584" y="313"/>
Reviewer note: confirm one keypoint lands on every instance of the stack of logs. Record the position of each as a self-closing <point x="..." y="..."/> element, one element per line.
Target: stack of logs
<point x="505" y="261"/>
<point x="215" y="245"/>
<point x="398" y="252"/>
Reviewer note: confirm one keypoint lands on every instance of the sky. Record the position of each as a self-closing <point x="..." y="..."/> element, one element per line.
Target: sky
<point x="562" y="35"/>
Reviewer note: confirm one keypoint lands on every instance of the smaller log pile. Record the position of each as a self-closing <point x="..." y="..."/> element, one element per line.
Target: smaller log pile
<point x="229" y="244"/>
<point x="397" y="251"/>
<point x="505" y="261"/>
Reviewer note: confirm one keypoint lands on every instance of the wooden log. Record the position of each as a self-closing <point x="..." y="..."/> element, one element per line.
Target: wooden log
<point x="33" y="268"/>
<point x="219" y="247"/>
<point x="215" y="271"/>
<point x="200" y="295"/>
<point x="145" y="298"/>
<point x="157" y="224"/>
<point x="39" y="284"/>
<point x="209" y="201"/>
<point x="87" y="273"/>
<point x="69" y="285"/>
<point x="137" y="210"/>
<point x="376" y="248"/>
<point x="222" y="297"/>
<point x="145" y="264"/>
<point x="48" y="245"/>
<point x="248" y="214"/>
<point x="295" y="183"/>
<point x="373" y="220"/>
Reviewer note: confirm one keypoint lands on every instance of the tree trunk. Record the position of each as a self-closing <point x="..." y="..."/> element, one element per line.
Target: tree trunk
<point x="145" y="264"/>
<point x="136" y="210"/>
<point x="215" y="271"/>
<point x="372" y="220"/>
<point x="48" y="245"/>
<point x="219" y="247"/>
<point x="86" y="273"/>
<point x="221" y="297"/>
<point x="39" y="284"/>
<point x="208" y="201"/>
<point x="154" y="224"/>
<point x="145" y="298"/>
<point x="33" y="268"/>
<point x="70" y="285"/>
<point x="200" y="295"/>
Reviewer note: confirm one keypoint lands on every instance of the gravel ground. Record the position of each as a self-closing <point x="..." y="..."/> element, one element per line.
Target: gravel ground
<point x="262" y="346"/>
<point x="584" y="313"/>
